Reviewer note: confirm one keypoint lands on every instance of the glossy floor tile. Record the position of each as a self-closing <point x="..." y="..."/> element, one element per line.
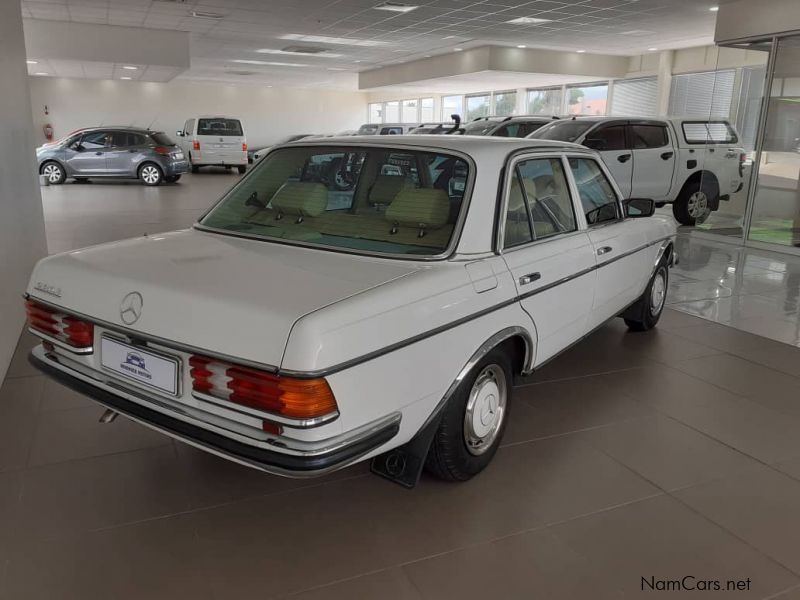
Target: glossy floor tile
<point x="656" y="455"/>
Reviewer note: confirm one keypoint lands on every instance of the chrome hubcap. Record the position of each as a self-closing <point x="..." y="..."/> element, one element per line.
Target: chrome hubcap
<point x="53" y="173"/>
<point x="486" y="409"/>
<point x="698" y="205"/>
<point x="659" y="293"/>
<point x="150" y="175"/>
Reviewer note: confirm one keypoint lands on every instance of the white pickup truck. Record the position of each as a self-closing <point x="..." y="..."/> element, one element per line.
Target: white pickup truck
<point x="687" y="162"/>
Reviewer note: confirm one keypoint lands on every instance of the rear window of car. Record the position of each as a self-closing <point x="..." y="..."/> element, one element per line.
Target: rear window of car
<point x="562" y="131"/>
<point x="367" y="200"/>
<point x="709" y="132"/>
<point x="221" y="127"/>
<point x="162" y="139"/>
<point x="368" y="129"/>
<point x="479" y="127"/>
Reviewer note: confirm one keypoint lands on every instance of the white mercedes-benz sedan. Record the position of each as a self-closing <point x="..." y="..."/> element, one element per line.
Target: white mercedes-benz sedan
<point x="355" y="298"/>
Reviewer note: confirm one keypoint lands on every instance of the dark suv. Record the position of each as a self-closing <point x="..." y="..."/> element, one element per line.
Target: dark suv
<point x="122" y="152"/>
<point x="515" y="127"/>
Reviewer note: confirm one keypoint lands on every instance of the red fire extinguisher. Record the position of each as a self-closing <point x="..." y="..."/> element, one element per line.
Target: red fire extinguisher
<point x="48" y="132"/>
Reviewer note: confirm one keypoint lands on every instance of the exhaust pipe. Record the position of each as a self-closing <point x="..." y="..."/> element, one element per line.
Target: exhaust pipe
<point x="108" y="416"/>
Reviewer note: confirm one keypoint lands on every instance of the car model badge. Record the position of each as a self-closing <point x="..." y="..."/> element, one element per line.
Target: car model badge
<point x="48" y="289"/>
<point x="131" y="308"/>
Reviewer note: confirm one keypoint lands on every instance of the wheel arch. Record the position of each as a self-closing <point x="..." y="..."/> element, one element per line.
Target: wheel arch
<point x="703" y="177"/>
<point x="53" y="160"/>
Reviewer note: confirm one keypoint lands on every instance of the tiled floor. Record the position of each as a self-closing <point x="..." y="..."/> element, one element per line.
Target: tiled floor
<point x="632" y="456"/>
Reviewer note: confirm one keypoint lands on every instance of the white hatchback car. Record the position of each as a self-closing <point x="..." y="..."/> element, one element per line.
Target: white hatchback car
<point x="356" y="298"/>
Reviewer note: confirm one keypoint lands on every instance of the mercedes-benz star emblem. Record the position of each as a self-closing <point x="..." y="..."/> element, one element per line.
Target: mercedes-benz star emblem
<point x="131" y="308"/>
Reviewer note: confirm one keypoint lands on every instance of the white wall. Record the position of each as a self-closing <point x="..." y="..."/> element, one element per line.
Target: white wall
<point x="22" y="239"/>
<point x="746" y="18"/>
<point x="268" y="114"/>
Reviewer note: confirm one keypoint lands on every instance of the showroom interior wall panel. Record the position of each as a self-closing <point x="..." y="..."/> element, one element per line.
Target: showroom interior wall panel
<point x="22" y="239"/>
<point x="267" y="114"/>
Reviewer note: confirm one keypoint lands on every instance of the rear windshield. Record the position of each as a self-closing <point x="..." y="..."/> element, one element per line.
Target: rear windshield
<point x="162" y="139"/>
<point x="709" y="132"/>
<point x="221" y="127"/>
<point x="562" y="131"/>
<point x="479" y="127"/>
<point x="372" y="200"/>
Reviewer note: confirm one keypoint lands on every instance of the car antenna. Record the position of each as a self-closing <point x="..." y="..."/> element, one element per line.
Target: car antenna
<point x="149" y="127"/>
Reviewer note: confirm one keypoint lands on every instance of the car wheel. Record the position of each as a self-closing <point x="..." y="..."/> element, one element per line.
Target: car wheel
<point x="195" y="169"/>
<point x="54" y="172"/>
<point x="474" y="420"/>
<point x="172" y="178"/>
<point x="644" y="315"/>
<point x="692" y="205"/>
<point x="242" y="169"/>
<point x="151" y="174"/>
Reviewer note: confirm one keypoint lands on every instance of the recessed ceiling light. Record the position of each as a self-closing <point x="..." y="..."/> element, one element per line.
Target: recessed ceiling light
<point x="528" y="21"/>
<point x="714" y="8"/>
<point x="268" y="63"/>
<point x="32" y="62"/>
<point x="357" y="61"/>
<point x="202" y="14"/>
<point x="129" y="68"/>
<point x="652" y="49"/>
<point x="324" y="39"/>
<point x="457" y="49"/>
<point x="336" y="69"/>
<point x="126" y="78"/>
<point x="41" y="73"/>
<point x="395" y="7"/>
<point x="521" y="46"/>
<point x="448" y="37"/>
<point x="580" y="51"/>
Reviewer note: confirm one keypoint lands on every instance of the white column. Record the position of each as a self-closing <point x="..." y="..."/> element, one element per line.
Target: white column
<point x="22" y="239"/>
<point x="664" y="81"/>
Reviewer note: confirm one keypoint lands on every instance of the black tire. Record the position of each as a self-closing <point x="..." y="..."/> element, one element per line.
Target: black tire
<point x="242" y="169"/>
<point x="195" y="169"/>
<point x="56" y="175"/>
<point x="82" y="179"/>
<point x="151" y="174"/>
<point x="172" y="178"/>
<point x="685" y="208"/>
<point x="644" y="315"/>
<point x="450" y="457"/>
<point x="228" y="167"/>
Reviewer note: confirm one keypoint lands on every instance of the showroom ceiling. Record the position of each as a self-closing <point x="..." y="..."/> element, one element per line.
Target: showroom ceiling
<point x="269" y="41"/>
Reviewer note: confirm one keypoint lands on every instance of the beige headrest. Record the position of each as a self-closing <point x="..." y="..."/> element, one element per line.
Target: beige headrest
<point x="416" y="207"/>
<point x="301" y="198"/>
<point x="515" y="192"/>
<point x="386" y="188"/>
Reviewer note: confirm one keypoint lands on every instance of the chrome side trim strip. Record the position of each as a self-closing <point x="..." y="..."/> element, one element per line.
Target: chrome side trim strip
<point x="260" y="414"/>
<point x="59" y="344"/>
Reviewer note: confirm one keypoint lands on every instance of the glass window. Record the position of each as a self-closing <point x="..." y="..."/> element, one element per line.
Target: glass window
<point x="452" y="105"/>
<point x="649" y="136"/>
<point x="606" y="138"/>
<point x="702" y="94"/>
<point x="518" y="223"/>
<point x="410" y="112"/>
<point x="426" y="114"/>
<point x="220" y="127"/>
<point x="709" y="132"/>
<point x="392" y="131"/>
<point x="482" y="127"/>
<point x="376" y="200"/>
<point x="95" y="140"/>
<point x="563" y="131"/>
<point x="597" y="196"/>
<point x="392" y="112"/>
<point x="505" y="103"/>
<point x="375" y="112"/>
<point x="162" y="139"/>
<point x="477" y="106"/>
<point x="544" y="102"/>
<point x="587" y="100"/>
<point x="637" y="97"/>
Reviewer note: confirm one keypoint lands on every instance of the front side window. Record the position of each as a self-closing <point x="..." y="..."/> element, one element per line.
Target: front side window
<point x="372" y="200"/>
<point x="563" y="131"/>
<point x="598" y="199"/>
<point x="96" y="140"/>
<point x="539" y="202"/>
<point x="649" y="136"/>
<point x="220" y="127"/>
<point x="606" y="138"/>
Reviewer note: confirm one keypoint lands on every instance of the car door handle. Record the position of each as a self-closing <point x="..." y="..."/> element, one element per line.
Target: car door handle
<point x="98" y="154"/>
<point x="604" y="250"/>
<point x="529" y="278"/>
<point x="667" y="155"/>
<point x="623" y="158"/>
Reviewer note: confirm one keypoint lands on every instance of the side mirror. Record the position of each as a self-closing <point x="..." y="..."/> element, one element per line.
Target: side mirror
<point x="595" y="143"/>
<point x="179" y="133"/>
<point x="639" y="207"/>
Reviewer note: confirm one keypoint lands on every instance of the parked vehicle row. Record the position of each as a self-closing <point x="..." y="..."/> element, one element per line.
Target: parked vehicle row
<point x="334" y="269"/>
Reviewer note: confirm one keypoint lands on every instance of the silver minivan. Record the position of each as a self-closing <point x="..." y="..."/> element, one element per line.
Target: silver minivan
<point x="214" y="141"/>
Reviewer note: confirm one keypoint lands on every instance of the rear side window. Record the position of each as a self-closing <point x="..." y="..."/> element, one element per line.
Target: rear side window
<point x="597" y="196"/>
<point x="221" y="127"/>
<point x="649" y="136"/>
<point x="709" y="132"/>
<point x="162" y="139"/>
<point x="607" y="138"/>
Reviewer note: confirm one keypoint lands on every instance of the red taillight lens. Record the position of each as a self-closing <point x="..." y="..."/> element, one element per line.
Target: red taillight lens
<point x="244" y="146"/>
<point x="162" y="150"/>
<point x="286" y="396"/>
<point x="195" y="145"/>
<point x="61" y="326"/>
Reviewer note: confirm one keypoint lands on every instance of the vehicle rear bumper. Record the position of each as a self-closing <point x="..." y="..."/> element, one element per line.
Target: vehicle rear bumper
<point x="176" y="168"/>
<point x="342" y="451"/>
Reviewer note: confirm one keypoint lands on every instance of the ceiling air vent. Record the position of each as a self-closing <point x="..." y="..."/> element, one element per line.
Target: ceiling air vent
<point x="304" y="50"/>
<point x="242" y="73"/>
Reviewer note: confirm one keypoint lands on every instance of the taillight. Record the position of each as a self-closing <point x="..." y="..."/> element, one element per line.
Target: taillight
<point x="196" y="145"/>
<point x="163" y="150"/>
<point x="285" y="396"/>
<point x="61" y="326"/>
<point x="244" y="146"/>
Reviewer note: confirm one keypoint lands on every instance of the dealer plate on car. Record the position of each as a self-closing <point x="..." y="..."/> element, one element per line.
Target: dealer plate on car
<point x="146" y="368"/>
